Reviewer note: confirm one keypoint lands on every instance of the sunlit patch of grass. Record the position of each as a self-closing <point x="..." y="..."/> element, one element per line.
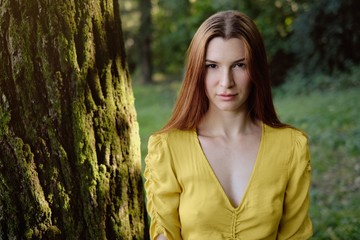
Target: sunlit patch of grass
<point x="154" y="103"/>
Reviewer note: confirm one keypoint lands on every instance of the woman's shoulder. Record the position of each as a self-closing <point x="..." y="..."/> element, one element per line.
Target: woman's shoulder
<point x="285" y="136"/>
<point x="172" y="137"/>
<point x="176" y="145"/>
<point x="285" y="132"/>
<point x="287" y="144"/>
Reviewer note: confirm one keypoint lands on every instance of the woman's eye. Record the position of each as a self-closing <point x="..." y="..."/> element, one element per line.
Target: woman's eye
<point x="240" y="65"/>
<point x="210" y="65"/>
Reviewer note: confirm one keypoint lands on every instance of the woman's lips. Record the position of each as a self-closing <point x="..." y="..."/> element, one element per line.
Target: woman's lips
<point x="227" y="96"/>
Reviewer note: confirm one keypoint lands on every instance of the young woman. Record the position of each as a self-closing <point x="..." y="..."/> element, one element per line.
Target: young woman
<point x="224" y="166"/>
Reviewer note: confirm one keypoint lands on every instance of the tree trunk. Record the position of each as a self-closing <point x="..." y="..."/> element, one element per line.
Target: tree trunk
<point x="69" y="141"/>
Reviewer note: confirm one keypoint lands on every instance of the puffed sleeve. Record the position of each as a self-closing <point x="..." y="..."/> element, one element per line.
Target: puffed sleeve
<point x="162" y="189"/>
<point x="295" y="222"/>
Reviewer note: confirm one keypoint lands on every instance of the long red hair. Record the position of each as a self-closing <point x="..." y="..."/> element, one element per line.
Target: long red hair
<point x="192" y="102"/>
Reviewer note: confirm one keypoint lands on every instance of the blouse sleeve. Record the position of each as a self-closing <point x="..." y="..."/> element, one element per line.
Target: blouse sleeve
<point x="295" y="222"/>
<point x="162" y="189"/>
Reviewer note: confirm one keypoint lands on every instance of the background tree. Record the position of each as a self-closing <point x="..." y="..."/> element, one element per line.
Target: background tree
<point x="144" y="41"/>
<point x="130" y="13"/>
<point x="69" y="142"/>
<point x="138" y="32"/>
<point x="326" y="37"/>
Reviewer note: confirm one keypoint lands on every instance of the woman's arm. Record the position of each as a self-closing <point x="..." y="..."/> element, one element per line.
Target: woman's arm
<point x="162" y="190"/>
<point x="295" y="222"/>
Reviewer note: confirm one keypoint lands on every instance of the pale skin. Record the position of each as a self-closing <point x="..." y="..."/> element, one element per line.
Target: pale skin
<point x="228" y="137"/>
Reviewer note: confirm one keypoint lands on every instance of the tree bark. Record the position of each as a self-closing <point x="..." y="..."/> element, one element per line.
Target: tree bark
<point x="69" y="141"/>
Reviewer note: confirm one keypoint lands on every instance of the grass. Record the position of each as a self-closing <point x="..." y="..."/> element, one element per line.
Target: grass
<point x="153" y="105"/>
<point x="331" y="120"/>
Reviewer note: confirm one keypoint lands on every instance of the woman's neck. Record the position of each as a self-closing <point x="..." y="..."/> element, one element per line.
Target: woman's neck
<point x="227" y="124"/>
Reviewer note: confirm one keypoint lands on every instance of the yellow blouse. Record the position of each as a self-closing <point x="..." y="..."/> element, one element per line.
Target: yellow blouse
<point x="186" y="201"/>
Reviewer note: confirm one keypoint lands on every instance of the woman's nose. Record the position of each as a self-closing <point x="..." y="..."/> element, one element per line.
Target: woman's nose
<point x="227" y="79"/>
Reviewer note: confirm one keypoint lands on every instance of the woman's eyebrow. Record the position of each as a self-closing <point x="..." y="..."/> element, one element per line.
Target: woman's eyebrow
<point x="240" y="60"/>
<point x="212" y="61"/>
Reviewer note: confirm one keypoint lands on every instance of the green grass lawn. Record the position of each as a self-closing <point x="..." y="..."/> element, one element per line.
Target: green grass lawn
<point x="332" y="121"/>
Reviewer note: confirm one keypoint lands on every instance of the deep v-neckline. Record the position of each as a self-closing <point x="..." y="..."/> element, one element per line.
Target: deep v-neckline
<point x="216" y="179"/>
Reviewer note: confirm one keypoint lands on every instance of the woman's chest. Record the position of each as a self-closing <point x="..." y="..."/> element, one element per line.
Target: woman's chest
<point x="231" y="164"/>
<point x="204" y="206"/>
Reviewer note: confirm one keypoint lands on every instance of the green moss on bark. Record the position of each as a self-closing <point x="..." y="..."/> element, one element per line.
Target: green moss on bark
<point x="71" y="137"/>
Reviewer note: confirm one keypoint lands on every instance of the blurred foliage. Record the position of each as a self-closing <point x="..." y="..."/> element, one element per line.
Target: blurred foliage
<point x="326" y="37"/>
<point x="275" y="20"/>
<point x="304" y="36"/>
<point x="171" y="34"/>
<point x="301" y="83"/>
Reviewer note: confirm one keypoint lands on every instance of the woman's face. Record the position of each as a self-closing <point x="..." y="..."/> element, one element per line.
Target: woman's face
<point x="227" y="80"/>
